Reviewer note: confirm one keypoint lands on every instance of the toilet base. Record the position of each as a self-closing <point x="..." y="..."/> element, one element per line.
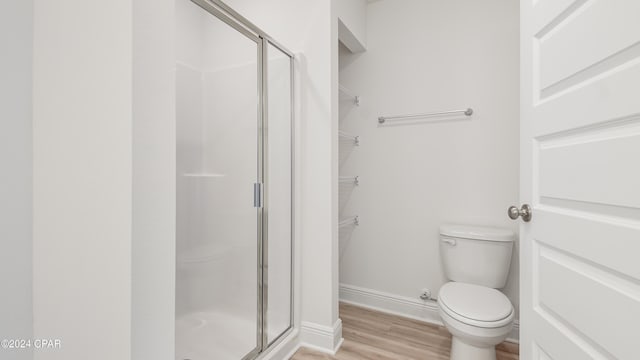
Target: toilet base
<point x="463" y="351"/>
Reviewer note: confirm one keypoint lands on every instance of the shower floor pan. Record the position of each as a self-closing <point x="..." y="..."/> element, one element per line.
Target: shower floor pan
<point x="214" y="335"/>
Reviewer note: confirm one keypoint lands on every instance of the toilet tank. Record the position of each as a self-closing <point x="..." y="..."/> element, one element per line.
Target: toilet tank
<point x="476" y="255"/>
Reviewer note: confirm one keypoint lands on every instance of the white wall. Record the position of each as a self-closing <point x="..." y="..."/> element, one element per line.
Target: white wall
<point x="104" y="184"/>
<point x="16" y="35"/>
<point x="427" y="56"/>
<point x="82" y="172"/>
<point x="154" y="189"/>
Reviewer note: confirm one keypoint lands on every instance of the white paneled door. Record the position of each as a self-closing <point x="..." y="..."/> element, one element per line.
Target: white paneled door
<point x="580" y="171"/>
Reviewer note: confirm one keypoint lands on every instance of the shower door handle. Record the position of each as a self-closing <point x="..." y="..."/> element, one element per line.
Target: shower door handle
<point x="257" y="195"/>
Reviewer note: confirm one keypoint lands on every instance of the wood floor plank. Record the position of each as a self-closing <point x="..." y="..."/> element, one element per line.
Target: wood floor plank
<point x="373" y="335"/>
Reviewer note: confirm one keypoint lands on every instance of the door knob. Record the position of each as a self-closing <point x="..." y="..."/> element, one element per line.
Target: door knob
<point x="524" y="212"/>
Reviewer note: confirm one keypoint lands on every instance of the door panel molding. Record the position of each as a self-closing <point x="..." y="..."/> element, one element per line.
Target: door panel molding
<point x="580" y="150"/>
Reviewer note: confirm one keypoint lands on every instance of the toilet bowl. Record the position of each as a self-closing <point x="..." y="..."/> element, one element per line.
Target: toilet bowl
<point x="477" y="317"/>
<point x="476" y="260"/>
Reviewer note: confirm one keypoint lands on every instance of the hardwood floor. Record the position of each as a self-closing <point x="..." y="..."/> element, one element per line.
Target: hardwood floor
<point x="370" y="334"/>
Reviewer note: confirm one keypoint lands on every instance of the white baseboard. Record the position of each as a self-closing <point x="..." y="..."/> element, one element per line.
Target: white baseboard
<point x="401" y="306"/>
<point x="313" y="336"/>
<point x="321" y="338"/>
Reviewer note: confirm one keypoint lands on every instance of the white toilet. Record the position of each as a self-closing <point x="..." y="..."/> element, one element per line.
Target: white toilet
<point x="476" y="261"/>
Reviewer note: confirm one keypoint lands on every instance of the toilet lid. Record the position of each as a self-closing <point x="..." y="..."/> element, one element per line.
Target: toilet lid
<point x="475" y="305"/>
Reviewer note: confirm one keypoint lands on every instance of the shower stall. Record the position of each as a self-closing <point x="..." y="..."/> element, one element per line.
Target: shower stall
<point x="234" y="185"/>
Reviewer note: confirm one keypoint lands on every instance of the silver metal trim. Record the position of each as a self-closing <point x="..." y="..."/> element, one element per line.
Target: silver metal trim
<point x="252" y="354"/>
<point x="240" y="22"/>
<point x="214" y="9"/>
<point x="261" y="211"/>
<point x="265" y="176"/>
<point x="383" y="119"/>
<point x="275" y="342"/>
<point x="292" y="120"/>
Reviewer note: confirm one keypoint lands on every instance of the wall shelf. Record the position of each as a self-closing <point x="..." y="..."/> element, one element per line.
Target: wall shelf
<point x="347" y="136"/>
<point x="348" y="95"/>
<point x="349" y="180"/>
<point x="350" y="221"/>
<point x="203" y="175"/>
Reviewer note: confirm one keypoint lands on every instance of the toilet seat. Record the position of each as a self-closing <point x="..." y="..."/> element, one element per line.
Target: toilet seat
<point x="476" y="305"/>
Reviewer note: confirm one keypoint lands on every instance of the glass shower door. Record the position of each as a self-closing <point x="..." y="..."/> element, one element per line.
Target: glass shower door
<point x="279" y="151"/>
<point x="218" y="165"/>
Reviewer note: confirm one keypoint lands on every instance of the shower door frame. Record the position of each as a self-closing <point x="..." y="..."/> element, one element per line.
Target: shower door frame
<point x="226" y="14"/>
